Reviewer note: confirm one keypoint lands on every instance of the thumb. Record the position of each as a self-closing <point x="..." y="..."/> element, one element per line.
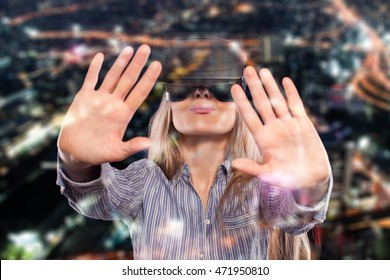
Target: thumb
<point x="248" y="166"/>
<point x="135" y="145"/>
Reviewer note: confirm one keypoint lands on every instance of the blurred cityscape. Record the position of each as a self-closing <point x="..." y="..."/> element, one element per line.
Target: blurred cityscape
<point x="337" y="52"/>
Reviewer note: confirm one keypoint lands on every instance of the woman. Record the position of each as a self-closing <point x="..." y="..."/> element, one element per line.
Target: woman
<point x="220" y="183"/>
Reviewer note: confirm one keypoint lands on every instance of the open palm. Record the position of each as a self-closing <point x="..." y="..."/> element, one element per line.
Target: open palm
<point x="292" y="151"/>
<point x="96" y="121"/>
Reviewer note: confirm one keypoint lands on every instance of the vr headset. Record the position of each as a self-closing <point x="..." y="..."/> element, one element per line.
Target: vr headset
<point x="197" y="63"/>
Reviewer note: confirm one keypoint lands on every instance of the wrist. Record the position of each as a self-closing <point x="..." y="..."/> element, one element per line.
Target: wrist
<point x="78" y="171"/>
<point x="311" y="196"/>
<point x="71" y="162"/>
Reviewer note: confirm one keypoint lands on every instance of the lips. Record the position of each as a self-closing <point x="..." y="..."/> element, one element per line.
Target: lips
<point x="202" y="109"/>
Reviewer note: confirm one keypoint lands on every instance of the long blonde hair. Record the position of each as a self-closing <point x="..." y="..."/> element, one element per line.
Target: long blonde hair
<point x="166" y="153"/>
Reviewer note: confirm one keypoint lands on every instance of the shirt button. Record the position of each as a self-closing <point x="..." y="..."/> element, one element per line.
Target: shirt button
<point x="207" y="221"/>
<point x="201" y="256"/>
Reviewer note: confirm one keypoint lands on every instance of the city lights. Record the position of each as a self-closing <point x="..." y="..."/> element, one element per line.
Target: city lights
<point x="337" y="52"/>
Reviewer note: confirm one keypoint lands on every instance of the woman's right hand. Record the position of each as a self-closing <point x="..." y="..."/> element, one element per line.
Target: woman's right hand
<point x="96" y="121"/>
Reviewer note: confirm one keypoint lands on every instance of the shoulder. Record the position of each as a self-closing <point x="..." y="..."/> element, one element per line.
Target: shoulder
<point x="142" y="164"/>
<point x="146" y="168"/>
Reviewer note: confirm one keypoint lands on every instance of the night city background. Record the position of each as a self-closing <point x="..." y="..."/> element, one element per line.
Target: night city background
<point x="337" y="53"/>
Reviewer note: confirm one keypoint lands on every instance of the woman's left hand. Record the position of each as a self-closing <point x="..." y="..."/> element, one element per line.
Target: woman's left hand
<point x="292" y="151"/>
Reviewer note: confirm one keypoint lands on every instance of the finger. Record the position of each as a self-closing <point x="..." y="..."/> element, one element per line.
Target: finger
<point x="116" y="70"/>
<point x="275" y="96"/>
<point x="135" y="145"/>
<point x="92" y="76"/>
<point x="294" y="100"/>
<point x="248" y="166"/>
<point x="131" y="74"/>
<point x="144" y="86"/>
<point x="246" y="110"/>
<point x="260" y="98"/>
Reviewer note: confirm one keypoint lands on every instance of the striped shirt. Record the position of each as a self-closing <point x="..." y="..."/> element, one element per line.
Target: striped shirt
<point x="166" y="218"/>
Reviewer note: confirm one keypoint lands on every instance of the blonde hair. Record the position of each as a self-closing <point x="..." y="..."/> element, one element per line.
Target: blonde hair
<point x="166" y="153"/>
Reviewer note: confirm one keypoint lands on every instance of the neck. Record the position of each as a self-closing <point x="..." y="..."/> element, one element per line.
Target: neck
<point x="203" y="152"/>
<point x="204" y="155"/>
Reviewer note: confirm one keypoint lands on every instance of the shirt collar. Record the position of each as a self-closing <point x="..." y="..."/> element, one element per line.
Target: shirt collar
<point x="185" y="174"/>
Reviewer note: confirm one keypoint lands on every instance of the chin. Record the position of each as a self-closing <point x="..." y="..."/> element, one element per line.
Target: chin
<point x="204" y="126"/>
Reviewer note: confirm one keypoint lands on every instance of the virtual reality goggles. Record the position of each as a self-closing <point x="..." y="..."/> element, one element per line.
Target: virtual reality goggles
<point x="201" y="63"/>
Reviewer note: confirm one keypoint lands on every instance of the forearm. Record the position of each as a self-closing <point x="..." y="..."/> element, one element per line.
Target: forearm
<point x="92" y="198"/>
<point x="280" y="208"/>
<point x="111" y="194"/>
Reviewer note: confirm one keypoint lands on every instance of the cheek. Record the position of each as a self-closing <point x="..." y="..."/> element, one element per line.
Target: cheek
<point x="225" y="121"/>
<point x="227" y="117"/>
<point x="179" y="118"/>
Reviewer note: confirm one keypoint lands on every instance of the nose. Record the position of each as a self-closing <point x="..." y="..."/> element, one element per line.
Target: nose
<point x="202" y="92"/>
